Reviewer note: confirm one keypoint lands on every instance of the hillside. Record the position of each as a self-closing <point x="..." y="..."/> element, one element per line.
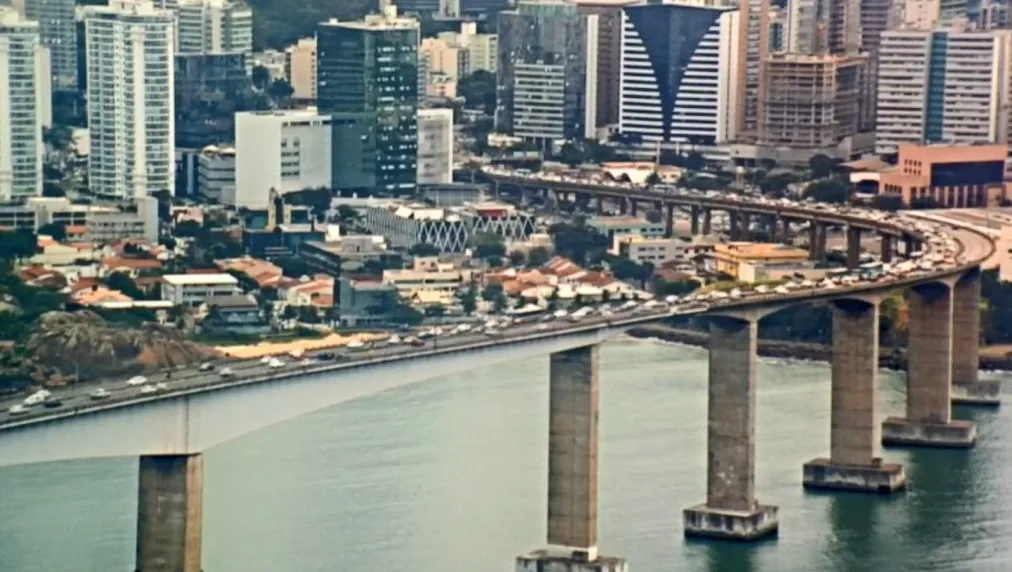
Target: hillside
<point x="278" y="23"/>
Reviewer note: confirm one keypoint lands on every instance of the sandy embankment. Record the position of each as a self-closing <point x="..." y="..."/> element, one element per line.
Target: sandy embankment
<point x="275" y="348"/>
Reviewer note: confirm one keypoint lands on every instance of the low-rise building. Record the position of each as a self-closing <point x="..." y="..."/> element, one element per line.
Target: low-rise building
<point x="216" y="174"/>
<point x="236" y="314"/>
<point x="612" y="226"/>
<point x="750" y="272"/>
<point x="953" y="176"/>
<point x="349" y="252"/>
<point x="454" y="194"/>
<point x="406" y="224"/>
<point x="657" y="251"/>
<point x="92" y="222"/>
<point x="260" y="271"/>
<point x="732" y="258"/>
<point x="356" y="301"/>
<point x="193" y="289"/>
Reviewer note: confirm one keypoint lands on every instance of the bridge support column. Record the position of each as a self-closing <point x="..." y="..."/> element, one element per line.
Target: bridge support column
<point x="169" y="509"/>
<point x="854" y="462"/>
<point x="573" y="407"/>
<point x="694" y="220"/>
<point x="910" y="245"/>
<point x="731" y="510"/>
<point x="745" y="227"/>
<point x="707" y="217"/>
<point x="734" y="225"/>
<point x="966" y="387"/>
<point x="853" y="247"/>
<point x="599" y="204"/>
<point x="929" y="376"/>
<point x="887" y="248"/>
<point x="816" y="241"/>
<point x="633" y="207"/>
<point x="669" y="221"/>
<point x="623" y="205"/>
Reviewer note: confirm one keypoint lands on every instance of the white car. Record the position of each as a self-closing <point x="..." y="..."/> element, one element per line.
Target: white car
<point x="137" y="380"/>
<point x="276" y="363"/>
<point x="99" y="394"/>
<point x="265" y="360"/>
<point x="226" y="372"/>
<point x="148" y="389"/>
<point x="17" y="409"/>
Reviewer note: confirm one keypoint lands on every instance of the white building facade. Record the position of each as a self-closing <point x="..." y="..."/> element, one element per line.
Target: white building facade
<point x="281" y="150"/>
<point x="192" y="289"/>
<point x="129" y="50"/>
<point x="942" y="86"/>
<point x="25" y="105"/>
<point x="58" y="28"/>
<point x="679" y="82"/>
<point x="435" y="146"/>
<point x="213" y="27"/>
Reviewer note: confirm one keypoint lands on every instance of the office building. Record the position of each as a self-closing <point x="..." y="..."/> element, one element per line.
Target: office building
<point x="778" y="30"/>
<point x="753" y="47"/>
<point x="688" y="99"/>
<point x="609" y="56"/>
<point x="435" y="146"/>
<point x="281" y="151"/>
<point x="129" y="47"/>
<point x="25" y="101"/>
<point x="209" y="89"/>
<point x="943" y="86"/>
<point x="448" y="229"/>
<point x="58" y="29"/>
<point x="216" y="174"/>
<point x="193" y="289"/>
<point x="948" y="176"/>
<point x="213" y="27"/>
<point x="803" y="27"/>
<point x="812" y="101"/>
<point x="369" y="69"/>
<point x="300" y="67"/>
<point x="547" y="80"/>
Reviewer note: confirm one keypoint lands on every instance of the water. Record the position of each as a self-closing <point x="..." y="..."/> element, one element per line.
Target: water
<point x="449" y="475"/>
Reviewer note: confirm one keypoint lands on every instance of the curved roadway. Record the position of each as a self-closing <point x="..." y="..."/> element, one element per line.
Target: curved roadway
<point x="973" y="248"/>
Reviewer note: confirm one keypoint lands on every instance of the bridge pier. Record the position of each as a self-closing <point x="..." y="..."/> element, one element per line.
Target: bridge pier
<point x="745" y="227"/>
<point x="633" y="207"/>
<point x="694" y="220"/>
<point x="599" y="204"/>
<point x="967" y="388"/>
<point x="928" y="421"/>
<point x="669" y="221"/>
<point x="816" y="241"/>
<point x="707" y="218"/>
<point x="734" y="225"/>
<point x="854" y="461"/>
<point x="573" y="408"/>
<point x="169" y="512"/>
<point x="887" y="248"/>
<point x="731" y="510"/>
<point x="853" y="247"/>
<point x="623" y="205"/>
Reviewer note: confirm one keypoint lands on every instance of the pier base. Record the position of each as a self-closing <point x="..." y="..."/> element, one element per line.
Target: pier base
<point x="899" y="431"/>
<point x="543" y="561"/>
<point x="979" y="393"/>
<point x="876" y="478"/>
<point x="704" y="522"/>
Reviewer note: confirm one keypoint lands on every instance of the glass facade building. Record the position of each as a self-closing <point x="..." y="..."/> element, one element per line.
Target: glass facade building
<point x="368" y="70"/>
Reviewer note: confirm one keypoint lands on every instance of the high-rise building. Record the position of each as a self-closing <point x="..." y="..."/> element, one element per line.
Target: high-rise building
<point x="753" y="46"/>
<point x="58" y="28"/>
<point x="547" y="80"/>
<point x="942" y="86"/>
<point x="482" y="7"/>
<point x="213" y="27"/>
<point x="609" y="55"/>
<point x="129" y="50"/>
<point x="877" y="16"/>
<point x="435" y="146"/>
<point x="25" y="101"/>
<point x="803" y="28"/>
<point x="812" y="101"/>
<point x="679" y="74"/>
<point x="843" y="26"/>
<point x="371" y="67"/>
<point x="300" y="67"/>
<point x="919" y="14"/>
<point x="477" y="51"/>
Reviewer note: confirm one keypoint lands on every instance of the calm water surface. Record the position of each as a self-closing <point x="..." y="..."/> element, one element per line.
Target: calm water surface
<point x="449" y="475"/>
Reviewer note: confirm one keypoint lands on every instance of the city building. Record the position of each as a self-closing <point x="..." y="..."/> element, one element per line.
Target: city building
<point x="347" y="253"/>
<point x="546" y="79"/>
<point x="285" y="229"/>
<point x="209" y="89"/>
<point x="477" y="52"/>
<point x="454" y="194"/>
<point x="751" y="48"/>
<point x="778" y="30"/>
<point x="129" y="55"/>
<point x="369" y="69"/>
<point x="25" y="105"/>
<point x="274" y="61"/>
<point x="57" y="22"/>
<point x="943" y="86"/>
<point x="235" y="314"/>
<point x="356" y="301"/>
<point x="300" y="67"/>
<point x="736" y="259"/>
<point x="813" y="101"/>
<point x="609" y="56"/>
<point x="614" y="226"/>
<point x="283" y="151"/>
<point x="679" y="79"/>
<point x="948" y="176"/>
<point x="918" y="14"/>
<point x="443" y="58"/>
<point x="448" y="229"/>
<point x="213" y="27"/>
<point x="656" y="251"/>
<point x="435" y="146"/>
<point x="216" y="174"/>
<point x="194" y="289"/>
<point x="92" y="222"/>
<point x="803" y="30"/>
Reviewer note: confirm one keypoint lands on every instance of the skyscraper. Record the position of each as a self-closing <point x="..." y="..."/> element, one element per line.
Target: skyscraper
<point x="58" y="28"/>
<point x="213" y="27"/>
<point x="129" y="50"/>
<point x="609" y="55"/>
<point x="547" y="80"/>
<point x="369" y="69"/>
<point x="753" y="46"/>
<point x="25" y="101"/>
<point x="679" y="81"/>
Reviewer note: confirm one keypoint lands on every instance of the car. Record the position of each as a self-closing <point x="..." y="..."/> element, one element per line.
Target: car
<point x="137" y="380"/>
<point x="541" y="327"/>
<point x="99" y="394"/>
<point x="265" y="360"/>
<point x="206" y="366"/>
<point x="17" y="409"/>
<point x="226" y="372"/>
<point x="148" y="389"/>
<point x="275" y="363"/>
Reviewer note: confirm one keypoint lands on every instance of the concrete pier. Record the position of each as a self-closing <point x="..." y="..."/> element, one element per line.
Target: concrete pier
<point x="707" y="217"/>
<point x="633" y="207"/>
<point x="693" y="218"/>
<point x="886" y="242"/>
<point x="169" y="510"/>
<point x="731" y="510"/>
<point x="745" y="227"/>
<point x="816" y="242"/>
<point x="967" y="388"/>
<point x="853" y="247"/>
<point x="573" y="408"/>
<point x="928" y="421"/>
<point x="669" y="222"/>
<point x="734" y="225"/>
<point x="854" y="462"/>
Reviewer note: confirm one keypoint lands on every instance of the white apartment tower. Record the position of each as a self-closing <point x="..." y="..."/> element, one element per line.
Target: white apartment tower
<point x="435" y="146"/>
<point x="129" y="46"/>
<point x="24" y="105"/>
<point x="213" y="27"/>
<point x="689" y="95"/>
<point x="942" y="86"/>
<point x="58" y="29"/>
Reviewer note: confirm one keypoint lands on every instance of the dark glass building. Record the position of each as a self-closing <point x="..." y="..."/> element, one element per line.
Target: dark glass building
<point x="209" y="89"/>
<point x="368" y="71"/>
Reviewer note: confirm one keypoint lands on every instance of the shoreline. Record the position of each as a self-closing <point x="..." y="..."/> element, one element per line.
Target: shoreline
<point x="889" y="357"/>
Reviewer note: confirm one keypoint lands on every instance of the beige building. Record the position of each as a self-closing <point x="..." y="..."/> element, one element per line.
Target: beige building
<point x="952" y="176"/>
<point x="442" y="58"/>
<point x="737" y="259"/>
<point x="918" y="14"/>
<point x="300" y="67"/>
<point x="812" y="101"/>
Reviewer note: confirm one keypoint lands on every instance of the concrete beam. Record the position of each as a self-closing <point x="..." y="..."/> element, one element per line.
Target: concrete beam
<point x="731" y="510"/>
<point x="929" y="375"/>
<point x="967" y="388"/>
<point x="854" y="462"/>
<point x="169" y="512"/>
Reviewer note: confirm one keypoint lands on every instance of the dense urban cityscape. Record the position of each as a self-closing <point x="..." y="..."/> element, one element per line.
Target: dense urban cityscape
<point x="219" y="216"/>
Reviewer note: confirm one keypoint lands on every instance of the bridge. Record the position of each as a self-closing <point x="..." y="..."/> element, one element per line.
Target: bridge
<point x="169" y="430"/>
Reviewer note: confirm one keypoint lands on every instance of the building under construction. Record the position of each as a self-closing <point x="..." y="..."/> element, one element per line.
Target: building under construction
<point x="813" y="101"/>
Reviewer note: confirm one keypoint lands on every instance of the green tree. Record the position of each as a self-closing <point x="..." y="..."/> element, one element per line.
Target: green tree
<point x="57" y="230"/>
<point x="280" y="90"/>
<point x="121" y="281"/>
<point x="489" y="245"/>
<point x="828" y="191"/>
<point x="578" y="242"/>
<point x="923" y="203"/>
<point x="423" y="249"/>
<point x="517" y="258"/>
<point x="538" y="256"/>
<point x="572" y="155"/>
<point x="767" y="164"/>
<point x="823" y="166"/>
<point x="890" y="203"/>
<point x="261" y="77"/>
<point x="469" y="301"/>
<point x="436" y="311"/>
<point x="478" y="91"/>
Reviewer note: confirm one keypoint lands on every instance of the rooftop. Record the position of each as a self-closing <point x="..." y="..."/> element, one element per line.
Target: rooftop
<point x="200" y="279"/>
<point x="237" y="301"/>
<point x="761" y="250"/>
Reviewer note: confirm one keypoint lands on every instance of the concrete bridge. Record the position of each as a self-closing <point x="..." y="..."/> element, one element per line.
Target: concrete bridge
<point x="170" y="430"/>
